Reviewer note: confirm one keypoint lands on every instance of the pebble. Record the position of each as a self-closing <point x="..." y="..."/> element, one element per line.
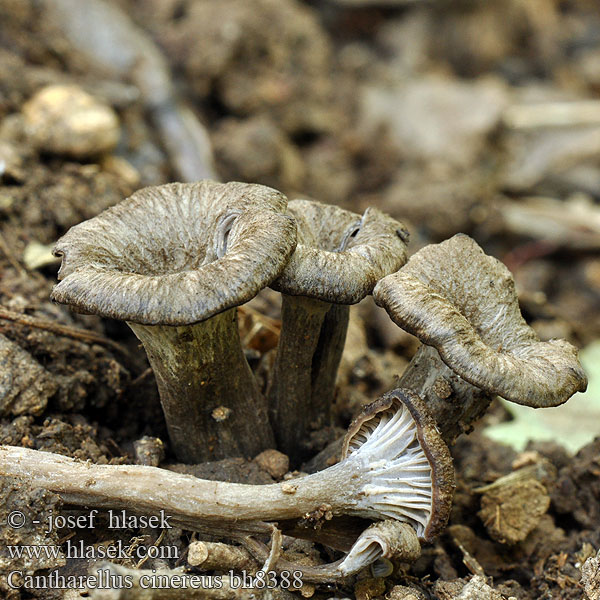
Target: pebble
<point x="149" y="451"/>
<point x="275" y="463"/>
<point x="64" y="119"/>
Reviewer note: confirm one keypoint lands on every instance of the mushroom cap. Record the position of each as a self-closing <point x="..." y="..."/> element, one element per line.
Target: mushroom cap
<point x="412" y="471"/>
<point x="462" y="302"/>
<point x="388" y="539"/>
<point x="176" y="254"/>
<point x="341" y="255"/>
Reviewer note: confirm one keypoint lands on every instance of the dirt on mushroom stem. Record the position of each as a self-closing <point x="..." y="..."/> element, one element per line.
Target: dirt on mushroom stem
<point x="391" y="418"/>
<point x="394" y="435"/>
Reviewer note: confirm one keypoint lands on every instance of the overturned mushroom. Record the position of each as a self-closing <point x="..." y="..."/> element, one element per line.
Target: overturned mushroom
<point x="379" y="542"/>
<point x="339" y="258"/>
<point x="396" y="467"/>
<point x="385" y="539"/>
<point x="174" y="261"/>
<point x="462" y="303"/>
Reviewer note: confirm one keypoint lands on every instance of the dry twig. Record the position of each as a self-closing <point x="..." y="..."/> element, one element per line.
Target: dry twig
<point x="216" y="556"/>
<point x="84" y="335"/>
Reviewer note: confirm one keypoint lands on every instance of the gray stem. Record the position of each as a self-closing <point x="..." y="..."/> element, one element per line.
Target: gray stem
<point x="290" y="387"/>
<point x="187" y="499"/>
<point x="210" y="398"/>
<point x="389" y="539"/>
<point x="326" y="361"/>
<point x="386" y="475"/>
<point x="454" y="403"/>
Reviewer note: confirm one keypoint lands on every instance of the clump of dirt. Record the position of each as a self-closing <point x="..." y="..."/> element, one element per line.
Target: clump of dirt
<point x="25" y="385"/>
<point x="32" y="509"/>
<point x="577" y="491"/>
<point x="512" y="511"/>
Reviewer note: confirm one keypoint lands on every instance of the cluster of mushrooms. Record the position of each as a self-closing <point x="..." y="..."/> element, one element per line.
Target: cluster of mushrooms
<point x="175" y="261"/>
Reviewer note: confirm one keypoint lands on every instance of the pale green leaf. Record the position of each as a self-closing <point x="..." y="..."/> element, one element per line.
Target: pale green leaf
<point x="573" y="425"/>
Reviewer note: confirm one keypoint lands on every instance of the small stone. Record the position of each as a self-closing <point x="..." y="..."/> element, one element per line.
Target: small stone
<point x="149" y="451"/>
<point x="275" y="463"/>
<point x="441" y="388"/>
<point x="63" y="119"/>
<point x="221" y="413"/>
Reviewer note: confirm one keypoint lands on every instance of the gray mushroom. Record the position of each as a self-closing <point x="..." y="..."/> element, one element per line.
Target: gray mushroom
<point x="174" y="261"/>
<point x="462" y="303"/>
<point x="339" y="258"/>
<point x="375" y="546"/>
<point x="395" y="466"/>
<point x="384" y="539"/>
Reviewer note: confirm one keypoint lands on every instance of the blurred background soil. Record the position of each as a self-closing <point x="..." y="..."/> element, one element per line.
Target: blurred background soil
<point x="475" y="116"/>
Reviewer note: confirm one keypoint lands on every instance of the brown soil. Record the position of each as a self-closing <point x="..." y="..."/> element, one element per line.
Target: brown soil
<point x="289" y="90"/>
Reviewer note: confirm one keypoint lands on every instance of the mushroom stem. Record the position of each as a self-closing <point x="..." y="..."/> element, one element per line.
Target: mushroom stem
<point x="453" y="403"/>
<point x="339" y="257"/>
<point x="140" y="488"/>
<point x="326" y="361"/>
<point x="386" y="474"/>
<point x="325" y="573"/>
<point x="210" y="398"/>
<point x="291" y="384"/>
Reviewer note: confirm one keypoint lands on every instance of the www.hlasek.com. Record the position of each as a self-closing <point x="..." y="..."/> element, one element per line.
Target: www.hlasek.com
<point x="105" y="579"/>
